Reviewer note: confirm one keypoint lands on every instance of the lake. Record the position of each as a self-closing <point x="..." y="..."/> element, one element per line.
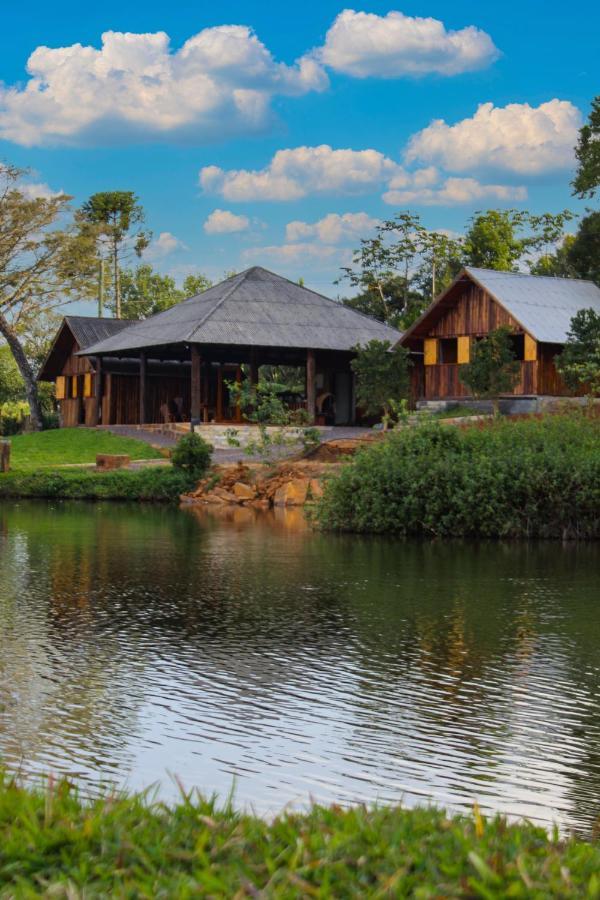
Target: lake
<point x="144" y="644"/>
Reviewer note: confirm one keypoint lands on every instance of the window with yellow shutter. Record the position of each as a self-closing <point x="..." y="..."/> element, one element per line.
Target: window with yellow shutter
<point x="530" y="353"/>
<point x="74" y="386"/>
<point x="61" y="388"/>
<point x="87" y="385"/>
<point x="464" y="350"/>
<point x="431" y="351"/>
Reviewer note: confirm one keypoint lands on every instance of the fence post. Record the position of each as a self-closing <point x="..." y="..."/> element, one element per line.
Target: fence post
<point x="4" y="456"/>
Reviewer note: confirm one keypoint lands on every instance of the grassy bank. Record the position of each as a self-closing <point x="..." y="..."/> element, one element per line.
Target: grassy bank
<point x="523" y="478"/>
<point x="71" y="446"/>
<point x="53" y="844"/>
<point x="157" y="484"/>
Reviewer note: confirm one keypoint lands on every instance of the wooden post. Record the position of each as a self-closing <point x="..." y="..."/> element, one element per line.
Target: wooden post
<point x="98" y="390"/>
<point x="4" y="456"/>
<point x="196" y="385"/>
<point x="143" y="388"/>
<point x="238" y="381"/>
<point x="311" y="386"/>
<point x="253" y="368"/>
<point x="220" y="394"/>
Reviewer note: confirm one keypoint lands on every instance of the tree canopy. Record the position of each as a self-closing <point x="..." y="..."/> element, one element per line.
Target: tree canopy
<point x="587" y="177"/>
<point x="493" y="369"/>
<point x="382" y="377"/>
<point x="145" y="292"/>
<point x="579" y="362"/>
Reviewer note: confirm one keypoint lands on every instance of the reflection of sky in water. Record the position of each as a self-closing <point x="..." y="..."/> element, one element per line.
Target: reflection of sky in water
<point x="140" y="642"/>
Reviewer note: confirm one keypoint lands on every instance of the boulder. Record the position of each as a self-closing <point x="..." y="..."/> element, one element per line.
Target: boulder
<point x="293" y="493"/>
<point x="243" y="491"/>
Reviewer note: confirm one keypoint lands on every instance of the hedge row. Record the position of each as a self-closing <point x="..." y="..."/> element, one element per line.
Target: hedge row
<point x="512" y="478"/>
<point x="158" y="484"/>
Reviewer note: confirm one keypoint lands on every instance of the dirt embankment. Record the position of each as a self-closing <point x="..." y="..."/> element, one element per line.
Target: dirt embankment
<point x="293" y="482"/>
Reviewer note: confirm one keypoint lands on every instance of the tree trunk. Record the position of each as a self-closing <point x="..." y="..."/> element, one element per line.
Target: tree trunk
<point x="26" y="371"/>
<point x="117" y="278"/>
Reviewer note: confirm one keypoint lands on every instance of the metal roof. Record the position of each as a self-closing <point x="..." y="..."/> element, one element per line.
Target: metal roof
<point x="91" y="329"/>
<point x="254" y="308"/>
<point x="543" y="305"/>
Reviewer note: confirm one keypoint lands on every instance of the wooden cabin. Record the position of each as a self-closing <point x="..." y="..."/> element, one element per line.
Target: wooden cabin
<point x="538" y="310"/>
<point x="177" y="365"/>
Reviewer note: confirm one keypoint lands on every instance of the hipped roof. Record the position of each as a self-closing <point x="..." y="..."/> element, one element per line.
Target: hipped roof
<point x="255" y="308"/>
<point x="542" y="305"/>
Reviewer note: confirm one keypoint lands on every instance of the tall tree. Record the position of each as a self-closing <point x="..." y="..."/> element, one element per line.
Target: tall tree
<point x="587" y="177"/>
<point x="382" y="377"/>
<point x="493" y="369"/>
<point x="502" y="238"/>
<point x="41" y="266"/>
<point x="145" y="292"/>
<point x="579" y="362"/>
<point x="118" y="220"/>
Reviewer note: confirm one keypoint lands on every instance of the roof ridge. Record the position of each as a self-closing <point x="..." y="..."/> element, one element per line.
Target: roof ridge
<point x="530" y="275"/>
<point x="219" y="303"/>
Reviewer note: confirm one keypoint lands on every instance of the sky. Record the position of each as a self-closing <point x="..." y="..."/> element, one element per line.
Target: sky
<point x="279" y="136"/>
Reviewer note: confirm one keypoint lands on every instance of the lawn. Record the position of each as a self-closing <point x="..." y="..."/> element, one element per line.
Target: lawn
<point x="54" y="844"/>
<point x="71" y="446"/>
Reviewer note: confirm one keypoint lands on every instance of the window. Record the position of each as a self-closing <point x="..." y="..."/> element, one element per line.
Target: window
<point x="449" y="350"/>
<point x="517" y="342"/>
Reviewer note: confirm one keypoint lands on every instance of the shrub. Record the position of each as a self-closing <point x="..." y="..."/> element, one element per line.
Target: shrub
<point x="512" y="478"/>
<point x="160" y="484"/>
<point x="192" y="454"/>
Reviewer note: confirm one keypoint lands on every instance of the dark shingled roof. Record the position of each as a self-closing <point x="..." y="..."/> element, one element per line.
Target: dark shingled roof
<point x="88" y="330"/>
<point x="254" y="308"/>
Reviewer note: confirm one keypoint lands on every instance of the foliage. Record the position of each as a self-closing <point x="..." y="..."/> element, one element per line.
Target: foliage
<point x="579" y="362"/>
<point x="192" y="454"/>
<point x="73" y="446"/>
<point x="13" y="415"/>
<point x="392" y="301"/>
<point x="156" y="483"/>
<point x="499" y="239"/>
<point x="12" y="386"/>
<point x="493" y="369"/>
<point x="584" y="251"/>
<point x="382" y="377"/>
<point x="55" y="843"/>
<point x="587" y="178"/>
<point x="41" y="265"/>
<point x="505" y="479"/>
<point x="114" y="220"/>
<point x="556" y="264"/>
<point x="146" y="292"/>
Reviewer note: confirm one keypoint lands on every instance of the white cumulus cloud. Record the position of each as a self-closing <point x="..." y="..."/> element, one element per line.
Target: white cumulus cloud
<point x="332" y="228"/>
<point x="297" y="172"/>
<point x="364" y="44"/>
<point x="454" y="192"/>
<point x="516" y="138"/>
<point x="135" y="87"/>
<point x="295" y="252"/>
<point x="165" y="244"/>
<point x="222" y="221"/>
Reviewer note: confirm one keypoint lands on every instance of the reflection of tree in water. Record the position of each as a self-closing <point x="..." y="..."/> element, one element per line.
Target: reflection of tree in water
<point x="433" y="649"/>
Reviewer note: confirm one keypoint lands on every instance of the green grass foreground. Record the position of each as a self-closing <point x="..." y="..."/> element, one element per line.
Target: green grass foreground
<point x="71" y="446"/>
<point x="510" y="478"/>
<point x="159" y="484"/>
<point x="53" y="844"/>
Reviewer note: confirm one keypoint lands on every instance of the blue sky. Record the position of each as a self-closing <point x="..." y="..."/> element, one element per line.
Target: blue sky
<point x="151" y="115"/>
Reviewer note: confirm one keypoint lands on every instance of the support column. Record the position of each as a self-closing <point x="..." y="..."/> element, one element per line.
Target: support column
<point x="238" y="381"/>
<point x="253" y="368"/>
<point x="196" y="385"/>
<point x="311" y="385"/>
<point x="220" y="393"/>
<point x="143" y="388"/>
<point x="97" y="391"/>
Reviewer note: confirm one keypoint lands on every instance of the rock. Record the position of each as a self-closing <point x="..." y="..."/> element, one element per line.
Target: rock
<point x="316" y="488"/>
<point x="243" y="491"/>
<point x="293" y="493"/>
<point x="106" y="461"/>
<point x="223" y="496"/>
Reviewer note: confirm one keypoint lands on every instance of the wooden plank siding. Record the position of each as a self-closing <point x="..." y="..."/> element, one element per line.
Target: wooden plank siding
<point x="442" y="382"/>
<point x="475" y="313"/>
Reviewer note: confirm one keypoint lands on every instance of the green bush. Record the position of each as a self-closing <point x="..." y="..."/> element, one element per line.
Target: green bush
<point x="512" y="478"/>
<point x="192" y="454"/>
<point x="55" y="844"/>
<point x="157" y="484"/>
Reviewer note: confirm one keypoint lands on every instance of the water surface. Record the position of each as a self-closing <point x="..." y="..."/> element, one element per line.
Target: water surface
<point x="138" y="643"/>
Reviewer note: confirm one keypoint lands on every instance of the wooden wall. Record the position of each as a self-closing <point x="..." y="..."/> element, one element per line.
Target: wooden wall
<point x="442" y="382"/>
<point x="475" y="313"/>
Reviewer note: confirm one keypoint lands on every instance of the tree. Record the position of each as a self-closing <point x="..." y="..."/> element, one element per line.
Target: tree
<point x="12" y="386"/>
<point x="587" y="177"/>
<point x="579" y="362"/>
<point x="41" y="266"/>
<point x="557" y="264"/>
<point x="116" y="218"/>
<point x="390" y="302"/>
<point x="382" y="378"/>
<point x="501" y="238"/>
<point x="145" y="292"/>
<point x="493" y="369"/>
<point x="584" y="250"/>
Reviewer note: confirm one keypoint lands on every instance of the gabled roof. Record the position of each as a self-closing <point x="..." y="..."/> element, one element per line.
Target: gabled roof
<point x="254" y="308"/>
<point x="542" y="305"/>
<point x="85" y="330"/>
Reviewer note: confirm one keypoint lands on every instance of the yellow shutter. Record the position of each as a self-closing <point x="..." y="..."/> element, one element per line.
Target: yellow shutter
<point x="61" y="387"/>
<point x="431" y="351"/>
<point x="87" y="385"/>
<point x="74" y="386"/>
<point x="463" y="350"/>
<point x="530" y="354"/>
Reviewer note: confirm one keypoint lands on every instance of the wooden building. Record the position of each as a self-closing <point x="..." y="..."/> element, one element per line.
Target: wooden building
<point x="176" y="365"/>
<point x="538" y="310"/>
